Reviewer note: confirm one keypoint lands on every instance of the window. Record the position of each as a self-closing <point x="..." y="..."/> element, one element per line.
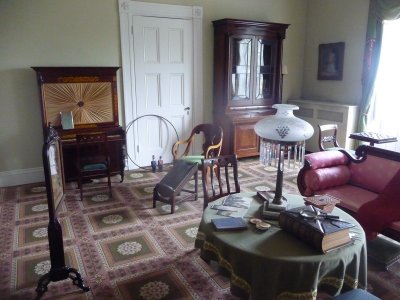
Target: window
<point x="384" y="114"/>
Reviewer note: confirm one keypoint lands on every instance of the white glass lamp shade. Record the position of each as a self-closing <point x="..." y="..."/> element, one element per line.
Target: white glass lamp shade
<point x="284" y="127"/>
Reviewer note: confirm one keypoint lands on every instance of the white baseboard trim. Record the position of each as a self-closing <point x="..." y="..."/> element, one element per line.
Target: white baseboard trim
<point x="24" y="176"/>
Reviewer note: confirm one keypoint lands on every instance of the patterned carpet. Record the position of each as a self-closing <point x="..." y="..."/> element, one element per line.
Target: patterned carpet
<point x="123" y="248"/>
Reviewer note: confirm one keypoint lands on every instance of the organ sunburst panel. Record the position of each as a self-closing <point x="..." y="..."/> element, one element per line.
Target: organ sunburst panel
<point x="90" y="93"/>
<point x="88" y="102"/>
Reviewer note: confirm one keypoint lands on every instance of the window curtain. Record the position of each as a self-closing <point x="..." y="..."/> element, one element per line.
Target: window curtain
<point x="379" y="10"/>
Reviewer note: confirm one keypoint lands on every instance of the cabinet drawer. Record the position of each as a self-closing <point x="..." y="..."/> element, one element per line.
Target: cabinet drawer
<point x="246" y="142"/>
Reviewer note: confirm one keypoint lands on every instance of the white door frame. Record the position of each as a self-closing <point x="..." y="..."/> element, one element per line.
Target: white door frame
<point x="195" y="13"/>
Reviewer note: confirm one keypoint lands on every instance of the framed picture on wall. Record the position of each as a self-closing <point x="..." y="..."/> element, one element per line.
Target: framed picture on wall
<point x="330" y="61"/>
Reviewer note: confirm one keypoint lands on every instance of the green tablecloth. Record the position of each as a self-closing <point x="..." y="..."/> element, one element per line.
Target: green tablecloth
<point x="274" y="264"/>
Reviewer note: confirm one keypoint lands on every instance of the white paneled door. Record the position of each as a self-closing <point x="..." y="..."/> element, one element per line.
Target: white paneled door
<point x="161" y="95"/>
<point x="163" y="73"/>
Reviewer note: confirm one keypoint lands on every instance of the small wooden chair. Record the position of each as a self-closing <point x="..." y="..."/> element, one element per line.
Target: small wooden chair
<point x="328" y="134"/>
<point x="211" y="135"/>
<point x="218" y="173"/>
<point x="212" y="143"/>
<point x="93" y="159"/>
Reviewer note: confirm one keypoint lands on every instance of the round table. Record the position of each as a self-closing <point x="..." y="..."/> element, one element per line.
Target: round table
<point x="274" y="264"/>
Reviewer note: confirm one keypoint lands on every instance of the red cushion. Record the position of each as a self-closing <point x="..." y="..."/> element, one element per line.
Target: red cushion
<point x="317" y="180"/>
<point x="326" y="159"/>
<point x="351" y="197"/>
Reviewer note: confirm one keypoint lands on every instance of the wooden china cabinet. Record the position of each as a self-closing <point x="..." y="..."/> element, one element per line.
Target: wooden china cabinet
<point x="247" y="79"/>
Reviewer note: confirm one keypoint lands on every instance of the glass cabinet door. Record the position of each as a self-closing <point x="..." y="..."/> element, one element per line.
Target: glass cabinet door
<point x="241" y="69"/>
<point x="265" y="64"/>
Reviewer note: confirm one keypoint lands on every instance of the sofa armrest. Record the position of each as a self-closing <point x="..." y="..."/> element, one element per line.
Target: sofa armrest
<point x="310" y="181"/>
<point x="325" y="159"/>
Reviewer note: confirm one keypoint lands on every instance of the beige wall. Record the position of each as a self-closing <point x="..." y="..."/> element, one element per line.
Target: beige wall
<point x="331" y="21"/>
<point x="45" y="33"/>
<point x="86" y="33"/>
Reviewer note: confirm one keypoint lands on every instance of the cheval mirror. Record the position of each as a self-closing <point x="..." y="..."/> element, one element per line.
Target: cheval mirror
<point x="54" y="177"/>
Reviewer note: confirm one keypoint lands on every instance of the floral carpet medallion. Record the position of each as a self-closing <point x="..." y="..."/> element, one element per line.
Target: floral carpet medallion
<point x="29" y="269"/>
<point x="111" y="219"/>
<point x="164" y="209"/>
<point x="36" y="233"/>
<point x="185" y="233"/>
<point x="31" y="190"/>
<point x="143" y="191"/>
<point x="97" y="199"/>
<point x="36" y="208"/>
<point x="128" y="249"/>
<point x="163" y="284"/>
<point x="137" y="175"/>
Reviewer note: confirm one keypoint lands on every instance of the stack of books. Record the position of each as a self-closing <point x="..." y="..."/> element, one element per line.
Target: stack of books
<point x="234" y="207"/>
<point x="323" y="231"/>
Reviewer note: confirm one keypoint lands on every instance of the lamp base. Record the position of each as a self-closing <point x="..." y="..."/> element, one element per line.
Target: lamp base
<point x="272" y="210"/>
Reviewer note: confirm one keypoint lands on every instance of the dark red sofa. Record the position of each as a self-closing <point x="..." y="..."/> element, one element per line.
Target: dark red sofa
<point x="354" y="179"/>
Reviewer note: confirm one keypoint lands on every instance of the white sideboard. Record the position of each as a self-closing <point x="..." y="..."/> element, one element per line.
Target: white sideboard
<point x="317" y="112"/>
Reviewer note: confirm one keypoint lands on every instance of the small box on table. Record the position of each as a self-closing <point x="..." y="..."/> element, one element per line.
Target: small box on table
<point x="324" y="202"/>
